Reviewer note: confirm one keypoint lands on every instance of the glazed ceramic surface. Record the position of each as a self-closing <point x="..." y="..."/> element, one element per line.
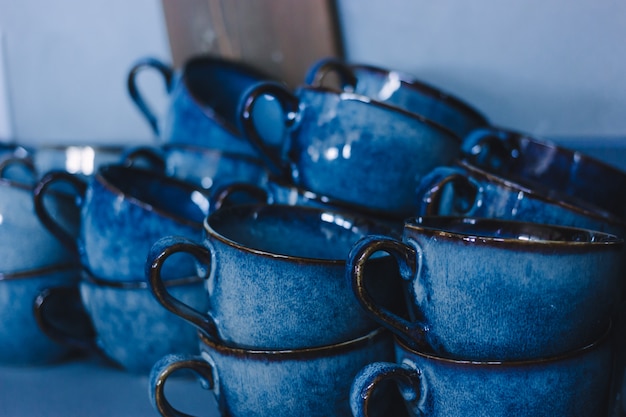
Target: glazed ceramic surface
<point x="22" y="342"/>
<point x="291" y="383"/>
<point x="202" y="102"/>
<point x="470" y="191"/>
<point x="544" y="164"/>
<point x="402" y="90"/>
<point x="123" y="211"/>
<point x="132" y="329"/>
<point x="574" y="384"/>
<point x="483" y="289"/>
<point x="350" y="147"/>
<point x="276" y="276"/>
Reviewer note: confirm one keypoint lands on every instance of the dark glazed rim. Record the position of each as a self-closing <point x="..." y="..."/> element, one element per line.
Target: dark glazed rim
<point x="227" y="64"/>
<point x="601" y="240"/>
<point x="572" y="204"/>
<point x="38" y="272"/>
<point x="596" y="344"/>
<point x="273" y="355"/>
<point x="254" y="209"/>
<point x="152" y="175"/>
<point x="413" y="83"/>
<point x="344" y="95"/>
<point x="90" y="278"/>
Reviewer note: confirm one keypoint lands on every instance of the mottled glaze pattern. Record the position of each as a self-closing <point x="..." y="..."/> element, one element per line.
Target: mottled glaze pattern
<point x="293" y="383"/>
<point x="132" y="329"/>
<point x="277" y="276"/>
<point x="24" y="242"/>
<point x="572" y="385"/>
<point x="22" y="342"/>
<point x="481" y="289"/>
<point x="544" y="164"/>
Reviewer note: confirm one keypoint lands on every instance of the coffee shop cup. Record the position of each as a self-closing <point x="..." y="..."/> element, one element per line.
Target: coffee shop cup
<point x="22" y="342"/>
<point x="399" y="89"/>
<point x="488" y="289"/>
<point x="349" y="147"/>
<point x="123" y="211"/>
<point x="303" y="382"/>
<point x="571" y="384"/>
<point x="466" y="190"/>
<point x="275" y="276"/>
<point x="545" y="164"/>
<point x="202" y="99"/>
<point x="25" y="243"/>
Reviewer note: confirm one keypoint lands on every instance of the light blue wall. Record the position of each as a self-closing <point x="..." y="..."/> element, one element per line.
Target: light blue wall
<point x="551" y="67"/>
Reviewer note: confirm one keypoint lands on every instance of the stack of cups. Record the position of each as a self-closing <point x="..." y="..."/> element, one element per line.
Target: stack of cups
<point x="505" y="318"/>
<point x="283" y="334"/>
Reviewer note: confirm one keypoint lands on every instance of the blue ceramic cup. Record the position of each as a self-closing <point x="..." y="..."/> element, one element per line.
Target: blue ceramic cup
<point x="402" y="90"/>
<point x="202" y="100"/>
<point x="123" y="211"/>
<point x="485" y="289"/>
<point x="22" y="341"/>
<point x="573" y="384"/>
<point x="349" y="147"/>
<point x="544" y="164"/>
<point x="275" y="276"/>
<point x="279" y="383"/>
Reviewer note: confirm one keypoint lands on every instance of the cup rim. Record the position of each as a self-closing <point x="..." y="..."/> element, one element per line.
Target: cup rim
<point x="87" y="276"/>
<point x="38" y="271"/>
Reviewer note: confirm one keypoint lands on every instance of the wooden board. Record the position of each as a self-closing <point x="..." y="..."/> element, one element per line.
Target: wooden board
<point x="281" y="37"/>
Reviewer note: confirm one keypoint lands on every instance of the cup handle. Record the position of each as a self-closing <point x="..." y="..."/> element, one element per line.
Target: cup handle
<point x="409" y="265"/>
<point x="39" y="192"/>
<point x="466" y="196"/>
<point x="368" y="379"/>
<point x="166" y="72"/>
<point x="320" y="69"/>
<point x="492" y="149"/>
<point x="223" y="195"/>
<point x="145" y="156"/>
<point x="72" y="327"/>
<point x="165" y="367"/>
<point x="270" y="150"/>
<point x="159" y="252"/>
<point x="26" y="163"/>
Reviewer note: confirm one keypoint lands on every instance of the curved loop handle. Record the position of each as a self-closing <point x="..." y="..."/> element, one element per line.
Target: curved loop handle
<point x="25" y="163"/>
<point x="168" y="365"/>
<point x="492" y="149"/>
<point x="61" y="316"/>
<point x="223" y="196"/>
<point x="39" y="192"/>
<point x="145" y="156"/>
<point x="159" y="252"/>
<point x="271" y="151"/>
<point x="371" y="376"/>
<point x="408" y="263"/>
<point x="168" y="74"/>
<point x="432" y="194"/>
<point x="317" y="73"/>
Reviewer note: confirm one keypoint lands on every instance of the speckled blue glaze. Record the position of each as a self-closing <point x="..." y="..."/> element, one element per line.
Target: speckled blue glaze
<point x="22" y="342"/>
<point x="202" y="102"/>
<point x="467" y="190"/>
<point x="25" y="243"/>
<point x="484" y="289"/>
<point x="292" y="383"/>
<point x="275" y="276"/>
<point x="402" y="90"/>
<point x="124" y="210"/>
<point x="544" y="164"/>
<point x="350" y="147"/>
<point x="571" y="385"/>
<point x="132" y="329"/>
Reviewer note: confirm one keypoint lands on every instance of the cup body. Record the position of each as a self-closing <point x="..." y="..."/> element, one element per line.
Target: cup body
<point x="291" y="383"/>
<point x="276" y="276"/>
<point x="574" y="384"/>
<point x="485" y="289"/>
<point x="402" y="90"/>
<point x="22" y="341"/>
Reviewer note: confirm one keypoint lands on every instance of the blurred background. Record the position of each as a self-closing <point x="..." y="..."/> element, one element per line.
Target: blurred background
<point x="549" y="67"/>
